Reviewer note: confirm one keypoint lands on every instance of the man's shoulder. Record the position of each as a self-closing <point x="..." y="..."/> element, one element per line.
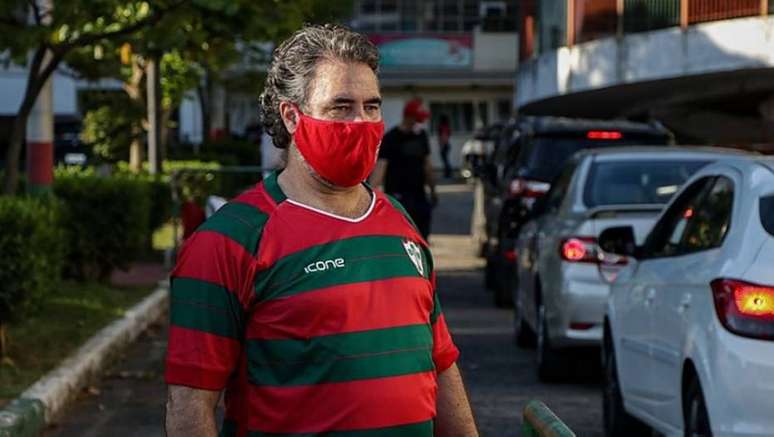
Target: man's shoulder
<point x="241" y="220"/>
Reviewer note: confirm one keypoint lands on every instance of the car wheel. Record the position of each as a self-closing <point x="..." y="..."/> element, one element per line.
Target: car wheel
<point x="550" y="362"/>
<point x="523" y="335"/>
<point x="617" y="421"/>
<point x="490" y="273"/>
<point x="695" y="412"/>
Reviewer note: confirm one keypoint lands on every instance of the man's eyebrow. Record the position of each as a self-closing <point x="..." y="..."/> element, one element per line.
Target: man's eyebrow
<point x="350" y="100"/>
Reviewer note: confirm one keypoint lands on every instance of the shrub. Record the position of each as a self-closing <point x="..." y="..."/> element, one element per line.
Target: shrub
<point x="106" y="219"/>
<point x="226" y="152"/>
<point x="32" y="249"/>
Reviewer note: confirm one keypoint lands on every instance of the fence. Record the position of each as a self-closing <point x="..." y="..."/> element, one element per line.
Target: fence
<point x="540" y="421"/>
<point x="197" y="192"/>
<point x="587" y="20"/>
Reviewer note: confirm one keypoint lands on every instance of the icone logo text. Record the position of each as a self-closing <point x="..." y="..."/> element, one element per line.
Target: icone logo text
<point x="321" y="266"/>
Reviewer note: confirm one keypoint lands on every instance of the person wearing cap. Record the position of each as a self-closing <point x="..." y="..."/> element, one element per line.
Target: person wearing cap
<point x="404" y="166"/>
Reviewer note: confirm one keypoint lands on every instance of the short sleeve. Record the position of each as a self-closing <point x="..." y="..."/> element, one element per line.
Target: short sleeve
<point x="207" y="311"/>
<point x="445" y="352"/>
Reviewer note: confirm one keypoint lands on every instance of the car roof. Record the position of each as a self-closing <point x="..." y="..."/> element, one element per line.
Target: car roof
<point x="662" y="152"/>
<point x="554" y="125"/>
<point x="768" y="161"/>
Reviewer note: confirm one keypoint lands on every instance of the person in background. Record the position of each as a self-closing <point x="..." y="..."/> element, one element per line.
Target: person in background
<point x="444" y="137"/>
<point x="405" y="169"/>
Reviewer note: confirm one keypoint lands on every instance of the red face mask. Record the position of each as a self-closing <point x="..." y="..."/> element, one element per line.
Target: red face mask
<point x="342" y="152"/>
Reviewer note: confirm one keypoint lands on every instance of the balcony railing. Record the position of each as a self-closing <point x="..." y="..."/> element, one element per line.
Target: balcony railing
<point x="593" y="19"/>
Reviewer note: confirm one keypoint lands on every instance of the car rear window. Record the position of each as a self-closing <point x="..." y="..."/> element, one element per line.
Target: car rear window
<point x="549" y="153"/>
<point x="637" y="182"/>
<point x="767" y="213"/>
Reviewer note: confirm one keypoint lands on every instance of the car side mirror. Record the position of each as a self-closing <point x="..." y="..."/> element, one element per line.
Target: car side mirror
<point x="619" y="240"/>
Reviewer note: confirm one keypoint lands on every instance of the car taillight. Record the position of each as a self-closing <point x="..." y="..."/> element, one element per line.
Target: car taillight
<point x="527" y="188"/>
<point x="744" y="308"/>
<point x="579" y="250"/>
<point x="604" y="135"/>
<point x="586" y="250"/>
<point x="511" y="256"/>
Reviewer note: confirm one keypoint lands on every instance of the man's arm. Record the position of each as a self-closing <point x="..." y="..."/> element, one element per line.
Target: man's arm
<point x="191" y="412"/>
<point x="377" y="176"/>
<point x="454" y="417"/>
<point x="430" y="179"/>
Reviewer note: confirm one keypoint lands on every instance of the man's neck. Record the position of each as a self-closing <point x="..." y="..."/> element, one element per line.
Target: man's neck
<point x="301" y="186"/>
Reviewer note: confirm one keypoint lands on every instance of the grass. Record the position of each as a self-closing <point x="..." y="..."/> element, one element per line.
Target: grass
<point x="40" y="341"/>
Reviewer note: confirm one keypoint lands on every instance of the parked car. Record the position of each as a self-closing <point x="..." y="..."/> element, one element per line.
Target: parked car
<point x="689" y="329"/>
<point x="476" y="150"/>
<point x="68" y="147"/>
<point x="560" y="296"/>
<point x="538" y="148"/>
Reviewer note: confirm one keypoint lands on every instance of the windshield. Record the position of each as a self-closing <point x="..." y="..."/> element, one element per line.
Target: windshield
<point x="767" y="213"/>
<point x="637" y="182"/>
<point x="548" y="154"/>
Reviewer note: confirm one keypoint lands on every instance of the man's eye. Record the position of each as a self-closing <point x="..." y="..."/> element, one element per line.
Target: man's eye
<point x="372" y="108"/>
<point x="340" y="108"/>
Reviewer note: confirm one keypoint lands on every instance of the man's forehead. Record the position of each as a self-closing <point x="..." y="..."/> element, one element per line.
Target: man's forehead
<point x="352" y="80"/>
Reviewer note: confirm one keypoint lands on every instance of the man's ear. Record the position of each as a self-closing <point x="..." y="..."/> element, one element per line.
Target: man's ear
<point x="289" y="113"/>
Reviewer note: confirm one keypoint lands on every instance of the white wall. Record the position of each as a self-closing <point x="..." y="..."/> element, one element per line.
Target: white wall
<point x="13" y="82"/>
<point x="392" y="111"/>
<point x="495" y="51"/>
<point x="744" y="43"/>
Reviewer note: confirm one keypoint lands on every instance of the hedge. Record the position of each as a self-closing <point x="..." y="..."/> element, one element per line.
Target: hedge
<point x="107" y="221"/>
<point x="32" y="249"/>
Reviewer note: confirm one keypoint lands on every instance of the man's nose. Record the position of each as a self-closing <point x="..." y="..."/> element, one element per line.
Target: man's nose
<point x="359" y="114"/>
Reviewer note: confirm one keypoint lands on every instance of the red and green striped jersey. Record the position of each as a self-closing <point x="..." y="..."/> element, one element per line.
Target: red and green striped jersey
<point x="312" y="323"/>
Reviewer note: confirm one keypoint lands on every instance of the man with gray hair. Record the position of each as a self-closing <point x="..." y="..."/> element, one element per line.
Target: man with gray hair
<point x="310" y="299"/>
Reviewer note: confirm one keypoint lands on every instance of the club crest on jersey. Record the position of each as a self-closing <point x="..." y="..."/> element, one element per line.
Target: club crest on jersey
<point x="415" y="254"/>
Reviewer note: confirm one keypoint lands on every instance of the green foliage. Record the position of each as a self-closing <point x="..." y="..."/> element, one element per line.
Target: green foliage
<point x="32" y="247"/>
<point x="224" y="152"/>
<point x="42" y="339"/>
<point x="107" y="221"/>
<point x="110" y="129"/>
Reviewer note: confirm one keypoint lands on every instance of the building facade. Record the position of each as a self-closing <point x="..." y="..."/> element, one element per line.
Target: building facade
<point x="458" y="56"/>
<point x="702" y="67"/>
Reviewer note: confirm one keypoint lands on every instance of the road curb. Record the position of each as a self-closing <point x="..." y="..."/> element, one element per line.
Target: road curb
<point x="47" y="398"/>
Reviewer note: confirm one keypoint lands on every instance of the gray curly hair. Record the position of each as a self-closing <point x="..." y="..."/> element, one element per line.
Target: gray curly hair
<point x="293" y="67"/>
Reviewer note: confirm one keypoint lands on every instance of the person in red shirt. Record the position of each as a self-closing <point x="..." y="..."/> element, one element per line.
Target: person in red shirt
<point x="310" y="300"/>
<point x="444" y="142"/>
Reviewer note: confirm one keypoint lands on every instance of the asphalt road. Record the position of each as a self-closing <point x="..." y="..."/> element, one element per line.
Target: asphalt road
<point x="500" y="378"/>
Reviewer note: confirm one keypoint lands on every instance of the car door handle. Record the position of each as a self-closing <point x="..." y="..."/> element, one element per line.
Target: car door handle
<point x="685" y="303"/>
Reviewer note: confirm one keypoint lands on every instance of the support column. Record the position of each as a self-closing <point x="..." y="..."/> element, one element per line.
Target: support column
<point x="40" y="140"/>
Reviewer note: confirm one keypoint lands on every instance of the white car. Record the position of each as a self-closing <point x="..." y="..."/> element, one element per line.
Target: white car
<point x="560" y="296"/>
<point x="689" y="328"/>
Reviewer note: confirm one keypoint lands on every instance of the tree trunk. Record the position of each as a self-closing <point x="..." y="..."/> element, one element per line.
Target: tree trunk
<point x="133" y="89"/>
<point x="36" y="77"/>
<point x="3" y="341"/>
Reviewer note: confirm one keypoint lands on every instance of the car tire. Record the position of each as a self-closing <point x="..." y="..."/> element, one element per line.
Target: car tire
<point x="523" y="335"/>
<point x="617" y="422"/>
<point x="490" y="273"/>
<point x="550" y="361"/>
<point x="697" y="423"/>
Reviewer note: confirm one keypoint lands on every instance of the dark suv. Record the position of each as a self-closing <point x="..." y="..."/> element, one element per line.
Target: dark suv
<point x="539" y="147"/>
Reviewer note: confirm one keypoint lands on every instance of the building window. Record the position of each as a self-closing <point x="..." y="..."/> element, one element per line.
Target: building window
<point x="460" y="115"/>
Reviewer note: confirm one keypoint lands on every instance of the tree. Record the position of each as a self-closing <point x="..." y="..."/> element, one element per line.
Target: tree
<point x="192" y="27"/>
<point x="52" y="33"/>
